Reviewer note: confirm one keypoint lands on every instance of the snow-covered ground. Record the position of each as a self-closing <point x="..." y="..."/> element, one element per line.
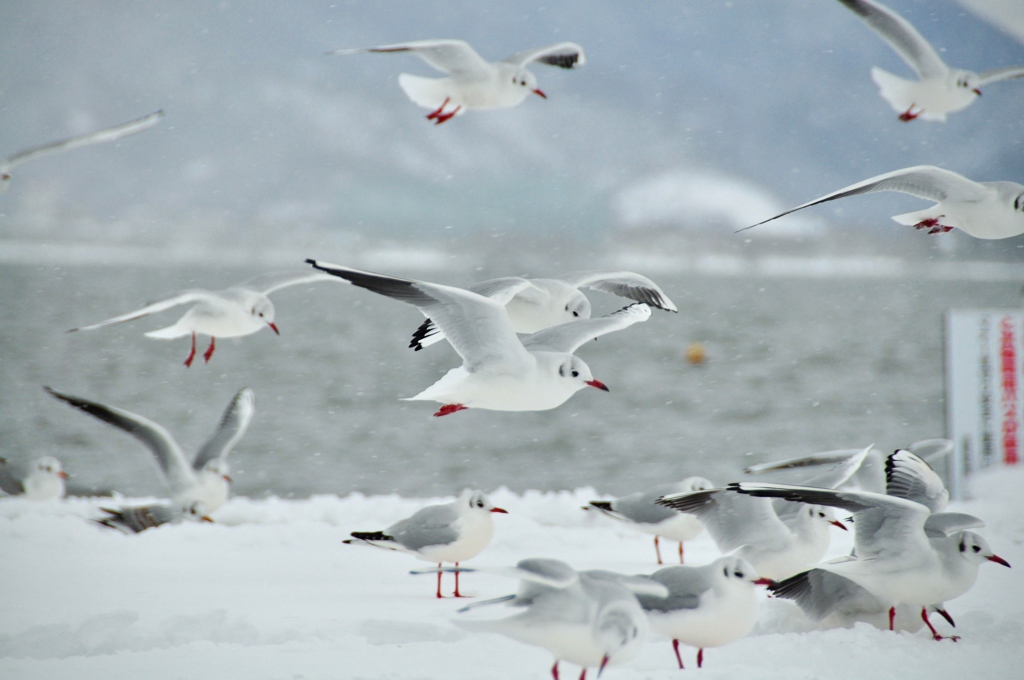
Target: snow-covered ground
<point x="269" y="591"/>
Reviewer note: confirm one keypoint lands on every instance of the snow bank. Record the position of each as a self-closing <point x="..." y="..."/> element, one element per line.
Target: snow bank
<point x="269" y="591"/>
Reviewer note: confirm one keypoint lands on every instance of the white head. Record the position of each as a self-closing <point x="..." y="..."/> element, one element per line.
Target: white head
<point x="824" y="514"/>
<point x="575" y="370"/>
<point x="196" y="512"/>
<point x="526" y="80"/>
<point x="974" y="548"/>
<point x="45" y="481"/>
<point x="218" y="467"/>
<point x="577" y="307"/>
<point x="263" y="310"/>
<point x="620" y="629"/>
<point x="964" y="80"/>
<point x="477" y="501"/>
<point x="732" y="570"/>
<point x="692" y="484"/>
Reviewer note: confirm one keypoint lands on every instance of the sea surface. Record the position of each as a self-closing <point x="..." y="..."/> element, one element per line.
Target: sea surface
<point x="794" y="364"/>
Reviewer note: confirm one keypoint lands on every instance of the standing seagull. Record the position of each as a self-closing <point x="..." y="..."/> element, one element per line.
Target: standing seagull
<point x="986" y="210"/>
<point x="707" y="606"/>
<point x="548" y="302"/>
<point x="232" y="312"/>
<point x="473" y="83"/>
<point x="640" y="511"/>
<point x="588" y="618"/>
<point x="43" y="480"/>
<point x="498" y="372"/>
<point x="206" y="479"/>
<point x="453" y="532"/>
<point x="941" y="89"/>
<point x="106" y="135"/>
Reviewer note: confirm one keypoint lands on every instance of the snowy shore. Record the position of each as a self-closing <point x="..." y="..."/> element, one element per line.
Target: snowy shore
<point x="269" y="591"/>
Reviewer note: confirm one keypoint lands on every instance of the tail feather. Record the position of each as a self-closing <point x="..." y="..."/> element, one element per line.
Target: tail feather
<point x="168" y="333"/>
<point x="426" y="92"/>
<point x="371" y="536"/>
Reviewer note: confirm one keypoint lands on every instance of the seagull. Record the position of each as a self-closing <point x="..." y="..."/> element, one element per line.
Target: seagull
<point x="985" y="210"/>
<point x="134" y="519"/>
<point x="106" y="135"/>
<point x="640" y="511"/>
<point x="548" y="302"/>
<point x="233" y="312"/>
<point x="904" y="554"/>
<point x="588" y="618"/>
<point x="941" y="89"/>
<point x="707" y="606"/>
<point x="499" y="372"/>
<point x="206" y="479"/>
<point x="42" y="480"/>
<point x="755" y="531"/>
<point x="453" y="532"/>
<point x="473" y="83"/>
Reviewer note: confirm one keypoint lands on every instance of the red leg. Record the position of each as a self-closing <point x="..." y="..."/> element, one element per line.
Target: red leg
<point x="434" y="114"/>
<point x="439" y="595"/>
<point x="892" y="617"/>
<point x="935" y="633"/>
<point x="909" y="114"/>
<point x="554" y="670"/>
<point x="449" y="409"/>
<point x="681" y="552"/>
<point x="700" y="658"/>
<point x="457" y="593"/>
<point x="209" y="350"/>
<point x="447" y="116"/>
<point x="192" y="354"/>
<point x="583" y="673"/>
<point x="679" y="658"/>
<point x="657" y="549"/>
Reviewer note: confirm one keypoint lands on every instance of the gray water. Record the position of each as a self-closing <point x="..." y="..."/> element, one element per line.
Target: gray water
<point x="794" y="366"/>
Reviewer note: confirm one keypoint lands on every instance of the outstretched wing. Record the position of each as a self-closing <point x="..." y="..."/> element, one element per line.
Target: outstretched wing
<point x="451" y="56"/>
<point x="105" y="135"/>
<point x="500" y="290"/>
<point x="732" y="520"/>
<point x="158" y="440"/>
<point x="268" y="283"/>
<point x="9" y="482"/>
<point x="923" y="181"/>
<point x="563" y="55"/>
<point x="567" y="337"/>
<point x="183" y="298"/>
<point x="909" y="476"/>
<point x="477" y="327"/>
<point x="623" y="284"/>
<point x="901" y="36"/>
<point x="998" y="74"/>
<point x="232" y="427"/>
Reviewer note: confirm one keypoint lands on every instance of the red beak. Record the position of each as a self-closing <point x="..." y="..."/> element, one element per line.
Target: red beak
<point x="62" y="474"/>
<point x="837" y="523"/>
<point x="205" y="518"/>
<point x="273" y="327"/>
<point x="977" y="92"/>
<point x="599" y="385"/>
<point x="764" y="582"/>
<point x="604" y="662"/>
<point x="501" y="510"/>
<point x="227" y="478"/>
<point x="998" y="560"/>
<point x="541" y="94"/>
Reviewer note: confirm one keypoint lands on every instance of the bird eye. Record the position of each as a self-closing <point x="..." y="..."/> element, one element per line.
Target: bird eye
<point x="976" y="548"/>
<point x="739" y="574"/>
<point x="479" y="504"/>
<point x="575" y="374"/>
<point x="575" y="313"/>
<point x="725" y="572"/>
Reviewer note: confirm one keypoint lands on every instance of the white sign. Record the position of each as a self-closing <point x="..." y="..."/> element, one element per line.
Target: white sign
<point x="984" y="382"/>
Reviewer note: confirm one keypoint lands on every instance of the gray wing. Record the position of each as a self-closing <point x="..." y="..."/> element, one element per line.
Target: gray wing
<point x="638" y="585"/>
<point x="623" y="284"/>
<point x="685" y="585"/>
<point x="998" y="74"/>
<point x="233" y="425"/>
<point x="567" y="337"/>
<point x="838" y="456"/>
<point x="450" y="56"/>
<point x="477" y="327"/>
<point x="732" y="519"/>
<point x="563" y="55"/>
<point x="909" y="476"/>
<point x="901" y="36"/>
<point x="642" y="507"/>
<point x="500" y="290"/>
<point x="10" y="480"/>
<point x="923" y="181"/>
<point x="268" y="283"/>
<point x="544" y="571"/>
<point x="138" y="518"/>
<point x="942" y="524"/>
<point x="105" y="135"/>
<point x="432" y="525"/>
<point x="819" y="593"/>
<point x="158" y="440"/>
<point x="182" y="298"/>
<point x="882" y="524"/>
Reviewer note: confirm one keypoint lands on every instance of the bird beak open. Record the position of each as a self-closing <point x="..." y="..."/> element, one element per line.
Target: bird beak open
<point x="273" y="327"/>
<point x="206" y="518"/>
<point x="599" y="385"/>
<point x="977" y="91"/>
<point x="837" y="523"/>
<point x="540" y="94"/>
<point x="62" y="474"/>
<point x="998" y="560"/>
<point x="501" y="510"/>
<point x="604" y="662"/>
<point x="764" y="582"/>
